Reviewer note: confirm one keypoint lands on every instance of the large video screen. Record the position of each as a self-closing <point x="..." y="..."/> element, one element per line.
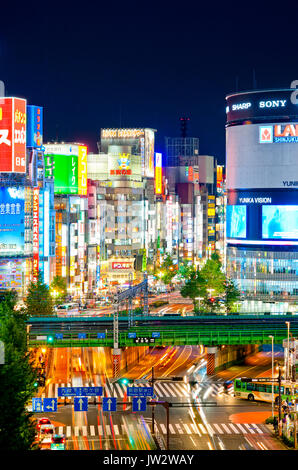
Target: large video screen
<point x="280" y="222"/>
<point x="236" y="221"/>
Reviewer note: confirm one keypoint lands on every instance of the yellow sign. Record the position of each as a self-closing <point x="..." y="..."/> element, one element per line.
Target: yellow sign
<point x="82" y="170"/>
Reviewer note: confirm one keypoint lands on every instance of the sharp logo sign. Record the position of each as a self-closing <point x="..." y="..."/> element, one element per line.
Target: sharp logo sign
<point x="280" y="133"/>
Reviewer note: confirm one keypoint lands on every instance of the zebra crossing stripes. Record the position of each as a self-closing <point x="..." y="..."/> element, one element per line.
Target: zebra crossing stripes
<point x="161" y="390"/>
<point x="175" y="429"/>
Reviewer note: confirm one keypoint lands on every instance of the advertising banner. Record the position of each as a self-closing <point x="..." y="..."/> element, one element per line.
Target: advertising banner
<point x="158" y="173"/>
<point x="262" y="156"/>
<point x="34" y="126"/>
<point x="236" y="221"/>
<point x="280" y="222"/>
<point x="35" y="233"/>
<point x="61" y="162"/>
<point x="12" y="221"/>
<point x="82" y="170"/>
<point x="11" y="273"/>
<point x="13" y="135"/>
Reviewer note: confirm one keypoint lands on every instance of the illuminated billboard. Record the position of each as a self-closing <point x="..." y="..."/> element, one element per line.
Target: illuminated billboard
<point x="158" y="173"/>
<point x="12" y="221"/>
<point x="236" y="221"/>
<point x="280" y="222"/>
<point x="141" y="142"/>
<point x="35" y="233"/>
<point x="61" y="163"/>
<point x="34" y="126"/>
<point x="12" y="135"/>
<point x="82" y="170"/>
<point x="262" y="156"/>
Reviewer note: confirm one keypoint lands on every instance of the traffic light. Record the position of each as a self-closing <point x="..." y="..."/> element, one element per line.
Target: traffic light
<point x="212" y="299"/>
<point x="177" y="379"/>
<point x="50" y="339"/>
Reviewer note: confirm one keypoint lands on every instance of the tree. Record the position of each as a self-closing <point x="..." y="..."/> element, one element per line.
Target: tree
<point x="167" y="271"/>
<point x="195" y="286"/>
<point x="38" y="301"/>
<point x="58" y="289"/>
<point x="17" y="378"/>
<point x="215" y="278"/>
<point x="232" y="295"/>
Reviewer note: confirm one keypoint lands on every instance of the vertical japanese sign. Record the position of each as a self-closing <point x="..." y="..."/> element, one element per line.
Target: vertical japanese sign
<point x="35" y="233"/>
<point x="12" y="221"/>
<point x="34" y="126"/>
<point x="158" y="173"/>
<point x="13" y="135"/>
<point x="82" y="170"/>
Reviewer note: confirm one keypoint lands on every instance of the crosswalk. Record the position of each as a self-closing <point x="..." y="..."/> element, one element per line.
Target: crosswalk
<point x="178" y="429"/>
<point x="161" y="390"/>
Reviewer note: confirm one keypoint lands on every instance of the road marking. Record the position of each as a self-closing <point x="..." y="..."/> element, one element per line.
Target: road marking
<point x="234" y="428"/>
<point x="195" y="428"/>
<point x="202" y="428"/>
<point x="162" y="393"/>
<point x="248" y="427"/>
<point x="218" y="428"/>
<point x="257" y="429"/>
<point x="76" y="431"/>
<point x="92" y="430"/>
<point x="172" y="430"/>
<point x="163" y="428"/>
<point x="116" y="429"/>
<point x="226" y="428"/>
<point x="100" y="430"/>
<point x="120" y="391"/>
<point x="187" y="429"/>
<point x="180" y="431"/>
<point x="169" y="391"/>
<point x="240" y="427"/>
<point x="108" y="429"/>
<point x="84" y="430"/>
<point x="60" y="430"/>
<point x="68" y="431"/>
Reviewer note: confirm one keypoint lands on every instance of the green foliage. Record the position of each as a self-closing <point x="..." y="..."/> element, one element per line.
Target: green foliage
<point x="167" y="271"/>
<point x="210" y="284"/>
<point x="58" y="289"/>
<point x="38" y="301"/>
<point x="232" y="295"/>
<point x="17" y="377"/>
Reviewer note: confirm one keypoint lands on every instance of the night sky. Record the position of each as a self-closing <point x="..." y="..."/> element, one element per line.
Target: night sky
<point x="138" y="64"/>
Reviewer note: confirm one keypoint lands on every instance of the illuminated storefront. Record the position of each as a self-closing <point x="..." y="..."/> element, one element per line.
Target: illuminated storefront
<point x="262" y="208"/>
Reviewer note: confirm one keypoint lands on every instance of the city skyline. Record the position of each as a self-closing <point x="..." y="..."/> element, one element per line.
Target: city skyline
<point x="129" y="67"/>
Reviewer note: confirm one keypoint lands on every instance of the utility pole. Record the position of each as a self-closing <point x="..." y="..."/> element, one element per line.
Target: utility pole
<point x="152" y="385"/>
<point x="279" y="399"/>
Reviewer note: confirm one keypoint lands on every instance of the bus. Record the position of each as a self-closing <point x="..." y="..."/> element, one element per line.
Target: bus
<point x="262" y="391"/>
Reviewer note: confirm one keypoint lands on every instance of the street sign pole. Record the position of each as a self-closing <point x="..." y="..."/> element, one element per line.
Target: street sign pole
<point x="152" y="414"/>
<point x="279" y="400"/>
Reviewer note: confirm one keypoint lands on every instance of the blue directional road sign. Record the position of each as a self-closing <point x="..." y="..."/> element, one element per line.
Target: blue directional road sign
<point x="81" y="335"/>
<point x="101" y="335"/>
<point x="109" y="404"/>
<point x="37" y="404"/>
<point x="139" y="391"/>
<point x="132" y="335"/>
<point x="155" y="334"/>
<point x="79" y="391"/>
<point x="50" y="404"/>
<point x="80" y="403"/>
<point x="139" y="404"/>
<point x="59" y="336"/>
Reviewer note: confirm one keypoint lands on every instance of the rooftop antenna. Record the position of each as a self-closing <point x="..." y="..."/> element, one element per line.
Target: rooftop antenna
<point x="184" y="121"/>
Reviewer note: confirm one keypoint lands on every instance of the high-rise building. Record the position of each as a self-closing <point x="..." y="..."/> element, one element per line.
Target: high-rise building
<point x="262" y="198"/>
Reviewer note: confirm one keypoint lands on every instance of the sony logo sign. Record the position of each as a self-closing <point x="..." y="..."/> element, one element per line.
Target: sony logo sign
<point x="272" y="104"/>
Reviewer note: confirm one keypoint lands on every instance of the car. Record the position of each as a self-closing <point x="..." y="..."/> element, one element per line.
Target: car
<point x="42" y="421"/>
<point x="58" y="442"/>
<point x="45" y="435"/>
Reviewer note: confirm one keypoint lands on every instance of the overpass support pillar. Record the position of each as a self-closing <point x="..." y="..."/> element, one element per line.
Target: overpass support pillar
<point x="211" y="354"/>
<point x="116" y="359"/>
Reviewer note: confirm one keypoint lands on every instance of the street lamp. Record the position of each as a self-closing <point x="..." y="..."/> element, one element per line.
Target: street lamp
<point x="288" y="351"/>
<point x="272" y="384"/>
